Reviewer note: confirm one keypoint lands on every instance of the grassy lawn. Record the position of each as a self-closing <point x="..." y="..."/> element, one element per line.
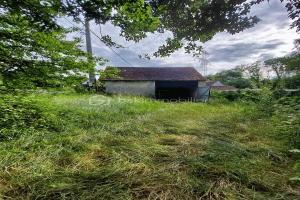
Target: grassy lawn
<point x="133" y="148"/>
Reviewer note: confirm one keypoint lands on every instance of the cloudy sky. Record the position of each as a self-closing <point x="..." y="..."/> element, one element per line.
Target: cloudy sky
<point x="271" y="37"/>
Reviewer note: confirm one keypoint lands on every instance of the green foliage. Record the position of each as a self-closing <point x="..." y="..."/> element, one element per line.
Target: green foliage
<point x="20" y="116"/>
<point x="263" y="98"/>
<point x="81" y="88"/>
<point x="225" y="96"/>
<point x="287" y="115"/>
<point x="139" y="19"/>
<point x="286" y="120"/>
<point x="32" y="58"/>
<point x="254" y="72"/>
<point x="292" y="62"/>
<point x="232" y="77"/>
<point x="108" y="73"/>
<point x="134" y="148"/>
<point x="201" y="19"/>
<point x="293" y="8"/>
<point x="292" y="82"/>
<point x="287" y="70"/>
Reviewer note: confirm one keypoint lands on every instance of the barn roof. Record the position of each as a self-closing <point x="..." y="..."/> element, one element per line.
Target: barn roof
<point x="224" y="88"/>
<point x="218" y="85"/>
<point x="158" y="74"/>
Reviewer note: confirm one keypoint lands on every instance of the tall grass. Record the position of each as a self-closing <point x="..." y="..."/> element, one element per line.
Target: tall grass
<point x="135" y="148"/>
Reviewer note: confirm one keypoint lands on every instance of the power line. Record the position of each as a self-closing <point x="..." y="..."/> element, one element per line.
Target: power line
<point x="112" y="49"/>
<point x="81" y="30"/>
<point x="97" y="37"/>
<point x="123" y="59"/>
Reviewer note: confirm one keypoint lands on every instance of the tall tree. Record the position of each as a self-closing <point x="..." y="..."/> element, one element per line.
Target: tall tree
<point x="232" y="77"/>
<point x="195" y="21"/>
<point x="190" y="21"/>
<point x="30" y="57"/>
<point x="254" y="72"/>
<point x="293" y="9"/>
<point x="34" y="49"/>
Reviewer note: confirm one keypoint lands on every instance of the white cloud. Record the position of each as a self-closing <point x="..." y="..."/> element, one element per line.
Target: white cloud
<point x="269" y="38"/>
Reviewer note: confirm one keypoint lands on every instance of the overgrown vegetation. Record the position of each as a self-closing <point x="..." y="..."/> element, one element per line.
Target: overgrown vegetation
<point x="20" y="116"/>
<point x="36" y="53"/>
<point x="135" y="148"/>
<point x="242" y="145"/>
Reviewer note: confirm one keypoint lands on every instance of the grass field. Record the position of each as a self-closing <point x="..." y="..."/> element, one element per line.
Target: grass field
<point x="133" y="148"/>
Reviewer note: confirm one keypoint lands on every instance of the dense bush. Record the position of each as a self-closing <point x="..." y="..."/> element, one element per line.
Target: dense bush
<point x="81" y="88"/>
<point x="262" y="96"/>
<point x="286" y="118"/>
<point x="283" y="107"/>
<point x="225" y="96"/>
<point x="19" y="116"/>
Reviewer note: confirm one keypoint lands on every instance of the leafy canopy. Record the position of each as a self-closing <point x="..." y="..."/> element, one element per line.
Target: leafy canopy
<point x="30" y="57"/>
<point x="190" y="21"/>
<point x="34" y="48"/>
<point x="232" y="77"/>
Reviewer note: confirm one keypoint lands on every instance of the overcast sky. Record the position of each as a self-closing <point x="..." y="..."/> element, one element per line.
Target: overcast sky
<point x="271" y="37"/>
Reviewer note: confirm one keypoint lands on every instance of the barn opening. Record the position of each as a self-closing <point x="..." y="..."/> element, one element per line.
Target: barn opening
<point x="176" y="90"/>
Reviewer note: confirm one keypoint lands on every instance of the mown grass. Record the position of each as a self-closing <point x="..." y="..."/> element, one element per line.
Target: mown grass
<point x="134" y="148"/>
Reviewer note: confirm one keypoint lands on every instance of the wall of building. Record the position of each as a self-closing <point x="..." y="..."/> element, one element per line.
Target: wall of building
<point x="201" y="83"/>
<point x="203" y="91"/>
<point x="140" y="88"/>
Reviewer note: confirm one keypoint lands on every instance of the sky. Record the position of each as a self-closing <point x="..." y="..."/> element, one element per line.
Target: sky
<point x="271" y="37"/>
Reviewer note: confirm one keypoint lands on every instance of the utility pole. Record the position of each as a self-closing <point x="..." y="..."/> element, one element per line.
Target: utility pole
<point x="92" y="77"/>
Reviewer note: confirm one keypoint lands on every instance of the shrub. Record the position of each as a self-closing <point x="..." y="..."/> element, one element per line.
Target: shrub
<point x="224" y="96"/>
<point x="81" y="88"/>
<point x="19" y="116"/>
<point x="287" y="119"/>
<point x="262" y="98"/>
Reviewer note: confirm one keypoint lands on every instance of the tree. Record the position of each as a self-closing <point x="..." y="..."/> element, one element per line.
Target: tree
<point x="191" y="22"/>
<point x="287" y="68"/>
<point x="254" y="72"/>
<point x="34" y="48"/>
<point x="292" y="62"/>
<point x="232" y="77"/>
<point x="291" y="65"/>
<point x="30" y="57"/>
<point x="293" y="9"/>
<point x="277" y="67"/>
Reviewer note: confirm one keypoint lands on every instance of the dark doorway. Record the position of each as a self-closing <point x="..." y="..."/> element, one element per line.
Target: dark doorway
<point x="177" y="90"/>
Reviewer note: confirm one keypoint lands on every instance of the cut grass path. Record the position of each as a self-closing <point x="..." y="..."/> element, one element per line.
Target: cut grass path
<point x="135" y="148"/>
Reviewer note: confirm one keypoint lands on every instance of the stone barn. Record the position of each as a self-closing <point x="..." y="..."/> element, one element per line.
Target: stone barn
<point x="159" y="82"/>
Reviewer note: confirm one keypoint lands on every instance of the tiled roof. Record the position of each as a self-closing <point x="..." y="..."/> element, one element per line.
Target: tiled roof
<point x="159" y="74"/>
<point x="224" y="88"/>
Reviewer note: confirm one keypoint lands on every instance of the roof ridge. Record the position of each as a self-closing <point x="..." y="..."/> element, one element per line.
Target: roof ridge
<point x="156" y="67"/>
<point x="159" y="73"/>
